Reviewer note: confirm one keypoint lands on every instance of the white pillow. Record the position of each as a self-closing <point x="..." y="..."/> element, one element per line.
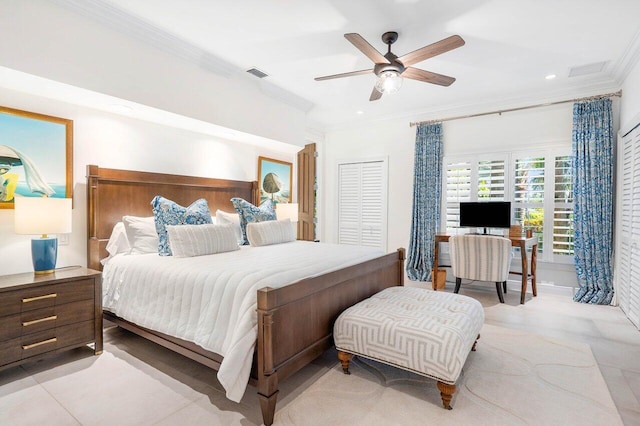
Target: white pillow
<point x="141" y="233"/>
<point x="224" y="218"/>
<point x="270" y="232"/>
<point x="199" y="240"/>
<point x="118" y="242"/>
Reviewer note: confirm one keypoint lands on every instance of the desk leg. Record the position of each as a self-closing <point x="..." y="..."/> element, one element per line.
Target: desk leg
<point x="434" y="272"/>
<point x="534" y="262"/>
<point x="525" y="272"/>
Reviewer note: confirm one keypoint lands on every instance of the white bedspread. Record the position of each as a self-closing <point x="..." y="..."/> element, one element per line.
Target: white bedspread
<point x="211" y="300"/>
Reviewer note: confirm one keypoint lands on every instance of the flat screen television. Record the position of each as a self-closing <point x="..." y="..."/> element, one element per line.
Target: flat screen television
<point x="487" y="214"/>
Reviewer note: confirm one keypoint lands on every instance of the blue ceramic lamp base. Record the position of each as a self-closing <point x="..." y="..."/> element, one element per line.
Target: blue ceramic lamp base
<point x="44" y="252"/>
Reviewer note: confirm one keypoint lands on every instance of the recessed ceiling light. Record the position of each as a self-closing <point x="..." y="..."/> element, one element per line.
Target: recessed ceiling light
<point x="360" y="112"/>
<point x="550" y="76"/>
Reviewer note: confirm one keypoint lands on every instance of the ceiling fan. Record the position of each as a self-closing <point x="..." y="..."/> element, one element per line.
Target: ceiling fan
<point x="390" y="68"/>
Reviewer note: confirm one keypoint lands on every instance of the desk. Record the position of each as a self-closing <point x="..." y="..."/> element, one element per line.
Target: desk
<point x="522" y="243"/>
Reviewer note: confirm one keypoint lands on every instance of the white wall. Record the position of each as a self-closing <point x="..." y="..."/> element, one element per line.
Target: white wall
<point x="42" y="38"/>
<point x="630" y="101"/>
<point x="113" y="141"/>
<point x="534" y="128"/>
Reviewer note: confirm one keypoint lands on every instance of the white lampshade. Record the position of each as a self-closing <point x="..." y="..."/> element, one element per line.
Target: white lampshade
<point x="287" y="211"/>
<point x="42" y="215"/>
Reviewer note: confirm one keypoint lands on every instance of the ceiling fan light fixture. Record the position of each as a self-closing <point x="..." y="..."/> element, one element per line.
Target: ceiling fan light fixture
<point x="388" y="82"/>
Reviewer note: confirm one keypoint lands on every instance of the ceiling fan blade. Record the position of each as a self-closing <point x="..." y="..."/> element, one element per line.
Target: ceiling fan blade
<point x="375" y="95"/>
<point x="431" y="50"/>
<point x="345" y="74"/>
<point x="427" y="76"/>
<point x="362" y="45"/>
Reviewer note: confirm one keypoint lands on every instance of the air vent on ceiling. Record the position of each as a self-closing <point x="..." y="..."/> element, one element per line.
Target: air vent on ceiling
<point x="257" y="73"/>
<point x="587" y="69"/>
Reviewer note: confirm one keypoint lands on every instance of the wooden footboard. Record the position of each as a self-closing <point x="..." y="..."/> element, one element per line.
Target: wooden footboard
<point x="295" y="323"/>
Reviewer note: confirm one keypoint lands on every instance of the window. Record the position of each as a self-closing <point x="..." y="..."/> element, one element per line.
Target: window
<point x="563" y="207"/>
<point x="491" y="180"/>
<point x="528" y="196"/>
<point x="458" y="188"/>
<point x="538" y="185"/>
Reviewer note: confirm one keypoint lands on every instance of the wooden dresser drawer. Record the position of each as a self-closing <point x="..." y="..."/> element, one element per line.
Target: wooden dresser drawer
<point x="10" y="351"/>
<point x="56" y="338"/>
<point x="41" y="315"/>
<point x="10" y="327"/>
<point x="45" y="318"/>
<point x="17" y="301"/>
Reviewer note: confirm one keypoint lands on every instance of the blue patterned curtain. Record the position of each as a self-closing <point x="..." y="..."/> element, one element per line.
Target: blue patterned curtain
<point x="427" y="186"/>
<point x="593" y="199"/>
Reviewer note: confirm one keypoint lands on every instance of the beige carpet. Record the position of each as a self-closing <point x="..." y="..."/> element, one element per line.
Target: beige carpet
<point x="514" y="378"/>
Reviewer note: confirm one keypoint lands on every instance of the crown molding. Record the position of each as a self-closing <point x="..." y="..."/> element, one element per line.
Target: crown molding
<point x="620" y="71"/>
<point x="135" y="27"/>
<point x="289" y="98"/>
<point x="587" y="88"/>
<point x="132" y="26"/>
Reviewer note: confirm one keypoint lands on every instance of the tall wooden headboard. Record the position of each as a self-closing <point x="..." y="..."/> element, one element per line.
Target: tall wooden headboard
<point x="113" y="193"/>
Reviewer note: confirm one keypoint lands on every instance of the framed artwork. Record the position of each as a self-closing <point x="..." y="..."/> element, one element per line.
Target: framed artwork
<point x="275" y="178"/>
<point x="36" y="156"/>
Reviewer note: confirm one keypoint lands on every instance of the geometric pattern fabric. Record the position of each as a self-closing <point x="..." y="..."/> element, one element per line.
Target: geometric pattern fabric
<point x="427" y="332"/>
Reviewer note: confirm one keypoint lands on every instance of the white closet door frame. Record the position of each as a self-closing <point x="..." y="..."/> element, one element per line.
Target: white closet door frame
<point x="384" y="196"/>
<point x="627" y="224"/>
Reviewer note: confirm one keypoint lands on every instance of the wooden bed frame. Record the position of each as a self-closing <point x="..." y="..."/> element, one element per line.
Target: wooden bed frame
<point x="295" y="322"/>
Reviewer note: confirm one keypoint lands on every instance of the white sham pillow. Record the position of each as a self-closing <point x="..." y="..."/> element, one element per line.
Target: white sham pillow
<point x="141" y="233"/>
<point x="270" y="232"/>
<point x="200" y="240"/>
<point x="118" y="242"/>
<point x="225" y="218"/>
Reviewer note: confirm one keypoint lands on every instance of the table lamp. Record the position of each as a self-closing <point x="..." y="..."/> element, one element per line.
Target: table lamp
<point x="43" y="215"/>
<point x="288" y="211"/>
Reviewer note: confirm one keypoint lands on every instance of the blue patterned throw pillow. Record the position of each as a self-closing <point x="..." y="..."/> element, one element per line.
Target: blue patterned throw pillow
<point x="167" y="212"/>
<point x="249" y="213"/>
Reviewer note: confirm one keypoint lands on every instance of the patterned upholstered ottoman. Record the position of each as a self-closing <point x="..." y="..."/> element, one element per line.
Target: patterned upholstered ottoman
<point x="427" y="332"/>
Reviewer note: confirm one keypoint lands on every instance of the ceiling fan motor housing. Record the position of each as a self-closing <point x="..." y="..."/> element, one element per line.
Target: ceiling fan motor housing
<point x="393" y="65"/>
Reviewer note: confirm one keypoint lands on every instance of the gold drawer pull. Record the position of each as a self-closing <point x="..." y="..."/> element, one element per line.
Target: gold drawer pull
<point x="28" y="323"/>
<point x="33" y="299"/>
<point x="44" y="342"/>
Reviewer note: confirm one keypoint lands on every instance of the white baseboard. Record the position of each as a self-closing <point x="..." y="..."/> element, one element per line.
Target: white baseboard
<point x="542" y="287"/>
<point x="512" y="286"/>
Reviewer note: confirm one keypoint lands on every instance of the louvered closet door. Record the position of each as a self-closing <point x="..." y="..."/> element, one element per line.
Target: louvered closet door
<point x="362" y="198"/>
<point x="627" y="277"/>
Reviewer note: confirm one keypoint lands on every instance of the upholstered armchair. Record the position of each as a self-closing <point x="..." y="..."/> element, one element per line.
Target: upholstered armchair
<point x="481" y="258"/>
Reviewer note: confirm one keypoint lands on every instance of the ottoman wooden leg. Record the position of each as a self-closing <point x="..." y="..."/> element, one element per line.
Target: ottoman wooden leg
<point x="345" y="358"/>
<point x="473" y="348"/>
<point x="446" y="392"/>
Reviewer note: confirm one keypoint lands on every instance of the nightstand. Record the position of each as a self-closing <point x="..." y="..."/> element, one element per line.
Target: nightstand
<point x="41" y="315"/>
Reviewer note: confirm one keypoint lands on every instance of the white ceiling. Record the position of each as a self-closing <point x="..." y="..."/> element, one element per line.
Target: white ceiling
<point x="511" y="45"/>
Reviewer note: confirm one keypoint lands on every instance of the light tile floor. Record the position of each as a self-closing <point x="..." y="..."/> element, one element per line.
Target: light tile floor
<point x="135" y="382"/>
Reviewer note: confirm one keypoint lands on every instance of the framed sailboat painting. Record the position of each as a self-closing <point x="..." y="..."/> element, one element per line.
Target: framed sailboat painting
<point x="36" y="156"/>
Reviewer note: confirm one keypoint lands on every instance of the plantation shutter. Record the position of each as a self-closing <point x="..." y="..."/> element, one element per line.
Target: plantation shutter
<point x="528" y="196"/>
<point x="627" y="274"/>
<point x="458" y="188"/>
<point x="563" y="206"/>
<point x="362" y="198"/>
<point x="491" y="180"/>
